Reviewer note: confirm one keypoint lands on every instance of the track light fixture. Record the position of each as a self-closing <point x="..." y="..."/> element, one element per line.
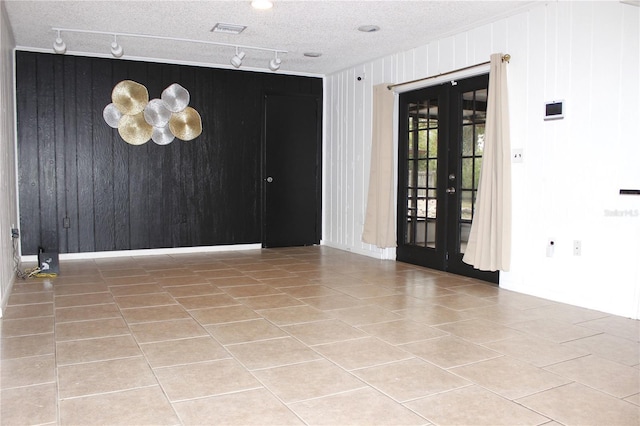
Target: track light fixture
<point x="274" y="64"/>
<point x="59" y="46"/>
<point x="117" y="51"/>
<point x="236" y="61"/>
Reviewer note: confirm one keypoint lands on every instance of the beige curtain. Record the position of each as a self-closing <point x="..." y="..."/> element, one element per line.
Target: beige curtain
<point x="379" y="222"/>
<point x="489" y="247"/>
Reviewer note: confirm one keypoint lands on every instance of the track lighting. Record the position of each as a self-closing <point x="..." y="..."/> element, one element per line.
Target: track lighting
<point x="274" y="64"/>
<point x="236" y="61"/>
<point x="116" y="49"/>
<point x="59" y="46"/>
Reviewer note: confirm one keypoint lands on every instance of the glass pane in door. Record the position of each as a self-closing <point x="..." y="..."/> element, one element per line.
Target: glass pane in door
<point x="474" y="112"/>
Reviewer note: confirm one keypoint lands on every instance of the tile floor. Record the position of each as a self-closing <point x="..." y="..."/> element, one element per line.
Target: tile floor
<point x="305" y="336"/>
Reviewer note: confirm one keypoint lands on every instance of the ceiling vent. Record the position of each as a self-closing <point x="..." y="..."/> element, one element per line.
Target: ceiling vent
<point x="228" y="28"/>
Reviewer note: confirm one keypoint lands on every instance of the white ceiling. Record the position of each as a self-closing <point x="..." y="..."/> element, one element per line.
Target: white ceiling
<point x="329" y="27"/>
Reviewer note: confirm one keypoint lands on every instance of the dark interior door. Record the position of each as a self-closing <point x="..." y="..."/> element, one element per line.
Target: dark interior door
<point x="291" y="171"/>
<point x="441" y="141"/>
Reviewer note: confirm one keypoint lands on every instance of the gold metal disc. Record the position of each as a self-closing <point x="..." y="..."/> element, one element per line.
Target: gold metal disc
<point x="186" y="124"/>
<point x="134" y="129"/>
<point x="130" y="97"/>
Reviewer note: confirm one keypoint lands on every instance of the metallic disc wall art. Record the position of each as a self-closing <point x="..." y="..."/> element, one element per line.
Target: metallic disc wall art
<point x="134" y="129"/>
<point x="175" y="97"/>
<point x="186" y="124"/>
<point x="130" y="97"/>
<point x="111" y="115"/>
<point x="162" y="135"/>
<point x="156" y="113"/>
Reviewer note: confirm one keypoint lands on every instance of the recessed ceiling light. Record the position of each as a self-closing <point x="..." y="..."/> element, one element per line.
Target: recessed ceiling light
<point x="228" y="28"/>
<point x="262" y="4"/>
<point x="368" y="28"/>
<point x="312" y="54"/>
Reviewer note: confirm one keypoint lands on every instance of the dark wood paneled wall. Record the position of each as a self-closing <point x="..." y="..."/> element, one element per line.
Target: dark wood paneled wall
<point x="73" y="167"/>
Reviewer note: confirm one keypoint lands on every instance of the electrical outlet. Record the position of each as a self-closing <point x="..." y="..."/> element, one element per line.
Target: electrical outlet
<point x="577" y="248"/>
<point x="517" y="155"/>
<point x="15" y="233"/>
<point x="551" y="243"/>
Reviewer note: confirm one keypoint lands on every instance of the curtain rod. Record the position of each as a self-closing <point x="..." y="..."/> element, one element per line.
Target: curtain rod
<point x="505" y="58"/>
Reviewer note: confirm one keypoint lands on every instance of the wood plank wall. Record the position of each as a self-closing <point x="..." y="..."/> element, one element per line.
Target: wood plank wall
<point x="117" y="196"/>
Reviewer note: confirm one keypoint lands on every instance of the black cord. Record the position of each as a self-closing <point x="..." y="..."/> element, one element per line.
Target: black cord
<point x="16" y="261"/>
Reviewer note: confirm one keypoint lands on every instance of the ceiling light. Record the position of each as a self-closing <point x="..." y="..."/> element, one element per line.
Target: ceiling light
<point x="228" y="28"/>
<point x="262" y="4"/>
<point x="59" y="46"/>
<point x="236" y="61"/>
<point x="369" y="28"/>
<point x="116" y="49"/>
<point x="274" y="64"/>
<point x="312" y="54"/>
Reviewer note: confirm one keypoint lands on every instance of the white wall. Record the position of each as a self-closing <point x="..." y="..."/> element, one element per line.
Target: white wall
<point x="8" y="199"/>
<point x="586" y="53"/>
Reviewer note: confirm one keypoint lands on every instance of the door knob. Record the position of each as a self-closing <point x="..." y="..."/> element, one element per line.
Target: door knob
<point x="451" y="190"/>
<point x="269" y="179"/>
<point x="452" y="176"/>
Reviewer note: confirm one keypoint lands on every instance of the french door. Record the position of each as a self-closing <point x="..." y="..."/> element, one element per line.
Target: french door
<point x="441" y="141"/>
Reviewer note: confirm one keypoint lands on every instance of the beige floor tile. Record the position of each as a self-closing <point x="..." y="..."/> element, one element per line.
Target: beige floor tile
<point x="207" y="301"/>
<point x="361" y="406"/>
<point x="229" y="281"/>
<point x="622" y="327"/>
<point x="31" y="405"/>
<point x="634" y="399"/>
<point x="270" y="301"/>
<point x="363" y="315"/>
<point x="33" y="370"/>
<point x="420" y="290"/>
<point x="245" y="331"/>
<point x="474" y="406"/>
<point x="192" y="290"/>
<point x="509" y="377"/>
<point x="576" y="404"/>
<point x="535" y="350"/>
<point x="601" y="374"/>
<point x="154" y="313"/>
<point x="140" y="279"/>
<point x="477" y="290"/>
<point x="251" y="290"/>
<point x="460" y="302"/>
<point x="294" y="315"/>
<point x="402" y="331"/>
<point x="170" y="273"/>
<point x="103" y="376"/>
<point x="303" y="291"/>
<point x="30" y="298"/>
<point x="26" y="326"/>
<point x="224" y="314"/>
<point x="399" y="301"/>
<point x="410" y="379"/>
<point x="166" y="330"/>
<point x="321" y="378"/>
<point x="251" y="407"/>
<point x="70" y="289"/>
<point x="361" y="353"/>
<point x="84" y="313"/>
<point x="270" y="273"/>
<point x="503" y="314"/>
<point x="142" y="406"/>
<point x="555" y="331"/>
<point x="28" y="311"/>
<point x="433" y="314"/>
<point x="479" y="330"/>
<point x="31" y="286"/>
<point x="184" y="280"/>
<point x="23" y="346"/>
<point x="327" y="303"/>
<point x="368" y="291"/>
<point x="183" y="351"/>
<point x="519" y="300"/>
<point x="144" y="300"/>
<point x="101" y="349"/>
<point x="135" y="289"/>
<point x="450" y="351"/>
<point x="610" y="347"/>
<point x="204" y="379"/>
<point x="320" y="332"/>
<point x="568" y="313"/>
<point x="91" y="329"/>
<point x="116" y="273"/>
<point x="83" y="300"/>
<point x="272" y="353"/>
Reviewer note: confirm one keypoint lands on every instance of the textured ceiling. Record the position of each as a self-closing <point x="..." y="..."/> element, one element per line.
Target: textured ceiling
<point x="328" y="27"/>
